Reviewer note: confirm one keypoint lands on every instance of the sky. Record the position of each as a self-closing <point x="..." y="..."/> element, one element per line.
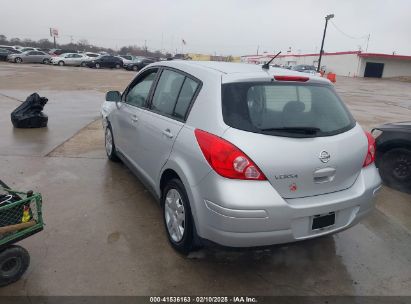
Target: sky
<point x="220" y="27"/>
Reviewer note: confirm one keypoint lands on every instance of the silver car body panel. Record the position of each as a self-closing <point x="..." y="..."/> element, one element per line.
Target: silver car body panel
<point x="245" y="213"/>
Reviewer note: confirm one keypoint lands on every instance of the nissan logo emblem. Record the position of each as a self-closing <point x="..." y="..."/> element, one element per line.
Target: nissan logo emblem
<point x="325" y="157"/>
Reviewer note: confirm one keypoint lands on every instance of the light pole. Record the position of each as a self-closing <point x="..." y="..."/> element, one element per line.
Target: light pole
<point x="328" y="17"/>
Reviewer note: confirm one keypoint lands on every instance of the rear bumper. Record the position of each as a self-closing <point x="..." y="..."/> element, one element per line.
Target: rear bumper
<point x="251" y="213"/>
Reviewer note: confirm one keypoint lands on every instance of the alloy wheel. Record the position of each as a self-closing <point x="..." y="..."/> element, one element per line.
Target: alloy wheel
<point x="109" y="142"/>
<point x="174" y="215"/>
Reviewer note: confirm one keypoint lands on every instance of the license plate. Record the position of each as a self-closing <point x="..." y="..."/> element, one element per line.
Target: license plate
<point x="323" y="221"/>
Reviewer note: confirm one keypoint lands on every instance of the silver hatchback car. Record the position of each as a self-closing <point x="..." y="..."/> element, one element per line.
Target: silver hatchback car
<point x="240" y="155"/>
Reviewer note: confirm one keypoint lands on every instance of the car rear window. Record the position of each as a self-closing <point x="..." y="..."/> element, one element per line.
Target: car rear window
<point x="292" y="110"/>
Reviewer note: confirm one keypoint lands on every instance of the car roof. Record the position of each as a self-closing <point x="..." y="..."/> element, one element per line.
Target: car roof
<point x="233" y="72"/>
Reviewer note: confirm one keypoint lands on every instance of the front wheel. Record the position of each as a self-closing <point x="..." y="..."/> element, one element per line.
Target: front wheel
<point x="97" y="65"/>
<point x="18" y="60"/>
<point x="177" y="216"/>
<point x="109" y="145"/>
<point x="61" y="63"/>
<point x="135" y="68"/>
<point x="395" y="169"/>
<point x="14" y="261"/>
<point x="118" y="66"/>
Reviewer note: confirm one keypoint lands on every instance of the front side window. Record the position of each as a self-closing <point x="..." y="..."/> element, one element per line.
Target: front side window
<point x="293" y="110"/>
<point x="138" y="93"/>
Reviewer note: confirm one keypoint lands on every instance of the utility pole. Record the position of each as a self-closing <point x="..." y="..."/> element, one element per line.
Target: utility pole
<point x="368" y="41"/>
<point x="328" y="17"/>
<point x="258" y="48"/>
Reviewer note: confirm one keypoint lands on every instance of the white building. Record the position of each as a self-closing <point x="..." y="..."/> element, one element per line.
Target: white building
<point x="352" y="63"/>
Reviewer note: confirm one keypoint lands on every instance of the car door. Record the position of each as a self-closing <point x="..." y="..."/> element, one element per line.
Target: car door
<point x="103" y="61"/>
<point x="164" y="120"/>
<point x="38" y="56"/>
<point x="30" y="57"/>
<point x="68" y="59"/>
<point x="126" y="118"/>
<point x="110" y="62"/>
<point x="76" y="59"/>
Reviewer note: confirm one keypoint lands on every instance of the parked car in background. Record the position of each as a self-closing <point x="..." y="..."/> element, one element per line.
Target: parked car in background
<point x="30" y="57"/>
<point x="126" y="59"/>
<point x="304" y="68"/>
<point x="7" y="47"/>
<point x="393" y="156"/>
<point x="138" y="63"/>
<point x="242" y="156"/>
<point x="92" y="55"/>
<point x="58" y="52"/>
<point x="25" y="49"/>
<point x="106" y="61"/>
<point x="73" y="59"/>
<point x="3" y="54"/>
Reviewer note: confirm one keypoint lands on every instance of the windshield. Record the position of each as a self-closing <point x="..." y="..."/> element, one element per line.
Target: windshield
<point x="293" y="110"/>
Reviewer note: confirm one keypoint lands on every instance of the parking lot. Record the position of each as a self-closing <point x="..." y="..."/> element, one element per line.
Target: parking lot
<point x="104" y="233"/>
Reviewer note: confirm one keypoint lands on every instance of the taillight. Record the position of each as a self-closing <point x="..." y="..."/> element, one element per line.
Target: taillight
<point x="291" y="78"/>
<point x="226" y="159"/>
<point x="370" y="158"/>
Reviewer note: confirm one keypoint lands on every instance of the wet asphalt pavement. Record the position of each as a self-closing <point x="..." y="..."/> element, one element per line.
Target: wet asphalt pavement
<point x="104" y="233"/>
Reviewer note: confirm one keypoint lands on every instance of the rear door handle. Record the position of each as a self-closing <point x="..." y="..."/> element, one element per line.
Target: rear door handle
<point x="168" y="133"/>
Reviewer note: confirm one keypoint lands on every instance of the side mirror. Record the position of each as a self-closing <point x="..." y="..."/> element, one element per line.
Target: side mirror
<point x="113" y="96"/>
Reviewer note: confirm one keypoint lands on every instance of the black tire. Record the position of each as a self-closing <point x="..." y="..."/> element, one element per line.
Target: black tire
<point x="395" y="169"/>
<point x="185" y="245"/>
<point x="83" y="64"/>
<point x="111" y="153"/>
<point x="61" y="63"/>
<point x="14" y="261"/>
<point x="46" y="61"/>
<point x="118" y="66"/>
<point x="18" y="60"/>
<point x="135" y="68"/>
<point x="97" y="65"/>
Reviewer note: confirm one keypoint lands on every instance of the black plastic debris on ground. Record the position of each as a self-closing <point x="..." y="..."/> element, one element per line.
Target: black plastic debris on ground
<point x="29" y="114"/>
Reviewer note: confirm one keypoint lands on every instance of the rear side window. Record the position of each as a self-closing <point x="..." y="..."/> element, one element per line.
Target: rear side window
<point x="186" y="95"/>
<point x="174" y="94"/>
<point x="167" y="91"/>
<point x="293" y="110"/>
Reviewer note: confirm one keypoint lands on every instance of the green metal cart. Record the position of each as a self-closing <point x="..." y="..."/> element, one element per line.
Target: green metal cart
<point x="20" y="217"/>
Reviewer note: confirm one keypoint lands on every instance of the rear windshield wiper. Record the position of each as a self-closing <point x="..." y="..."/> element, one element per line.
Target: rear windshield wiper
<point x="304" y="130"/>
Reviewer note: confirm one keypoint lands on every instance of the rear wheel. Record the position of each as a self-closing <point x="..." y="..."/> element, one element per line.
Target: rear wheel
<point x="395" y="169"/>
<point x="109" y="145"/>
<point x="98" y="65"/>
<point x="83" y="64"/>
<point x="118" y="66"/>
<point x="46" y="61"/>
<point x="177" y="216"/>
<point x="18" y="60"/>
<point x="14" y="261"/>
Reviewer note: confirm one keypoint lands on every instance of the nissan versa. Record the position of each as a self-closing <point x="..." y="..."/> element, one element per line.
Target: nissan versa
<point x="241" y="155"/>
